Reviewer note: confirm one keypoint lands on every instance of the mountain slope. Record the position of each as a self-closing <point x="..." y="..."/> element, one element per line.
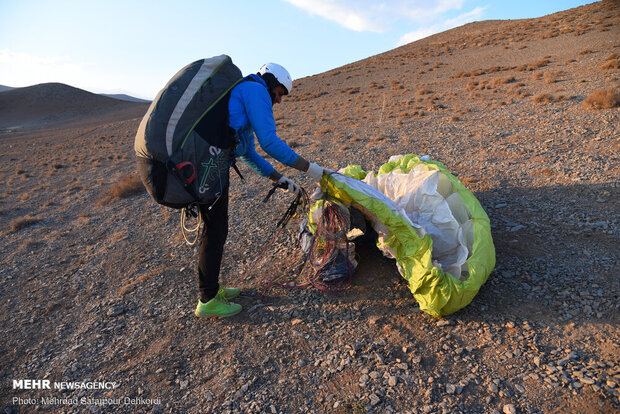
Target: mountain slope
<point x="124" y="97"/>
<point x="96" y="282"/>
<point x="49" y="104"/>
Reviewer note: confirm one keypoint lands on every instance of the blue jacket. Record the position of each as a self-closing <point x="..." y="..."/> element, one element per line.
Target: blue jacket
<point x="250" y="112"/>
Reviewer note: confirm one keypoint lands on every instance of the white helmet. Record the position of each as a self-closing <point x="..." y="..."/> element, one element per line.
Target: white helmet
<point x="280" y="73"/>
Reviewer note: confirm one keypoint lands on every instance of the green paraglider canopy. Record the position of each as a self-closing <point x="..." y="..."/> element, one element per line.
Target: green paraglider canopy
<point x="428" y="221"/>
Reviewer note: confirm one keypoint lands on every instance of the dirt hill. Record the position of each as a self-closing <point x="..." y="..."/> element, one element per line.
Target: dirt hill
<point x="97" y="284"/>
<point x="53" y="104"/>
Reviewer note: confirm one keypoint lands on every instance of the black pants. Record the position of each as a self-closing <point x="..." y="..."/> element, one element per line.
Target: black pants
<point x="211" y="246"/>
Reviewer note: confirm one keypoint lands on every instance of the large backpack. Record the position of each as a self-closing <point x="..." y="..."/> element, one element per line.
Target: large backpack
<point x="184" y="144"/>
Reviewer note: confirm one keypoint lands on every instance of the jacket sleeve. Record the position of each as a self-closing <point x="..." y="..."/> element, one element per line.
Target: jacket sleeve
<point x="260" y="116"/>
<point x="256" y="162"/>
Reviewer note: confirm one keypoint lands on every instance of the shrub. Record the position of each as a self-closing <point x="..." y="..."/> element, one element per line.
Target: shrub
<point x="602" y="99"/>
<point x="543" y="98"/>
<point x="21" y="223"/>
<point x="610" y="65"/>
<point x="550" y="77"/>
<point x="502" y="81"/>
<point x="128" y="185"/>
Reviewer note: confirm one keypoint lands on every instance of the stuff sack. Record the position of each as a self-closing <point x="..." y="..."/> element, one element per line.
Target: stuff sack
<point x="184" y="144"/>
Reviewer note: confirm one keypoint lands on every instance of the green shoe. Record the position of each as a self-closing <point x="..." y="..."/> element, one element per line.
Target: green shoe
<point x="218" y="306"/>
<point x="229" y="293"/>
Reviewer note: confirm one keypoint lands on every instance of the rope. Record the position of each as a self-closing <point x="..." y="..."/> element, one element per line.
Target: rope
<point x="329" y="239"/>
<point x="186" y="212"/>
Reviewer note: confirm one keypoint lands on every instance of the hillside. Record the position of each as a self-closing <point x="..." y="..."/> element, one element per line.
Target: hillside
<point x="50" y="104"/>
<point x="97" y="284"/>
<point x="124" y="97"/>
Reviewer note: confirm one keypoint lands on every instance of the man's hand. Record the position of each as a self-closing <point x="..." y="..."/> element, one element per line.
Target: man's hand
<point x="291" y="186"/>
<point x="316" y="171"/>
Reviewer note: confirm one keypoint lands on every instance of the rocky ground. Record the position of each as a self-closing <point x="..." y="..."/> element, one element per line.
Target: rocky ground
<point x="97" y="285"/>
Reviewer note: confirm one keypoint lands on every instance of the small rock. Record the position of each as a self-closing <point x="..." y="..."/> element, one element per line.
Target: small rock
<point x="116" y="310"/>
<point x="392" y="381"/>
<point x="374" y="399"/>
<point x="450" y="388"/>
<point x="509" y="409"/>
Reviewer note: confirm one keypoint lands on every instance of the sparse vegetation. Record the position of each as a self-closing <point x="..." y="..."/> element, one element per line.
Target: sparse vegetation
<point x="128" y="186"/>
<point x="22" y="222"/>
<point x="611" y="64"/>
<point x="550" y="77"/>
<point x="545" y="98"/>
<point x="603" y="99"/>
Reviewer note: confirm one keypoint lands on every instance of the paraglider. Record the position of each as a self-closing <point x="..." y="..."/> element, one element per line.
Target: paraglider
<point x="427" y="220"/>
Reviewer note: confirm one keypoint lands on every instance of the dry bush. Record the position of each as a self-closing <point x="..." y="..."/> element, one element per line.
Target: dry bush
<point x="472" y="84"/>
<point x="128" y="185"/>
<point x="543" y="98"/>
<point x="396" y="85"/>
<point x="503" y="81"/>
<point x="602" y="99"/>
<point x="550" y="77"/>
<point x="21" y="223"/>
<point x="545" y="172"/>
<point x="610" y="65"/>
<point x="531" y="66"/>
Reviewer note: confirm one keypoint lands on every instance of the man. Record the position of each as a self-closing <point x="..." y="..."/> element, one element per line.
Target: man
<point x="250" y="111"/>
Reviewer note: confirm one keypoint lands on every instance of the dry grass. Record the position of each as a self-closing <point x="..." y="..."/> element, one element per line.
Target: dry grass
<point x="128" y="186"/>
<point x="137" y="281"/>
<point x="503" y="80"/>
<point x="545" y="98"/>
<point x="602" y="99"/>
<point x="531" y="66"/>
<point x="550" y="77"/>
<point x="21" y="223"/>
<point x="611" y="64"/>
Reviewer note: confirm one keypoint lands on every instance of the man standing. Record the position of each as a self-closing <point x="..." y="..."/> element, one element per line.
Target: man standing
<point x="250" y="111"/>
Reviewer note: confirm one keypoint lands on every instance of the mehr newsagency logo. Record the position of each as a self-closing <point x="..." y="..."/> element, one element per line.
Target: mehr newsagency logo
<point x="36" y="384"/>
<point x="32" y="384"/>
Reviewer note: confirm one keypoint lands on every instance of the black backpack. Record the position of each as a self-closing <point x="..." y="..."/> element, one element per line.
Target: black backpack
<point x="184" y="144"/>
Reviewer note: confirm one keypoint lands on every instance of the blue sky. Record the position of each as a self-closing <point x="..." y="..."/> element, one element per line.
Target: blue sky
<point x="135" y="46"/>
